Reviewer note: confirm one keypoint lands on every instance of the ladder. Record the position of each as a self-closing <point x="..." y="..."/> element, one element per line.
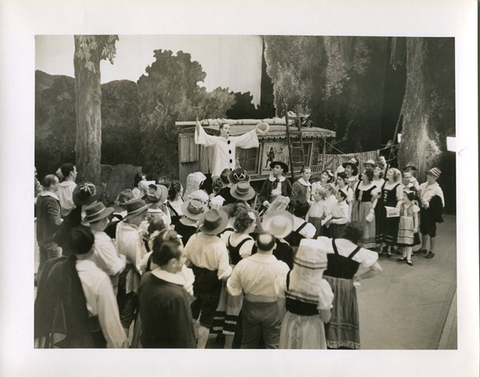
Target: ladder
<point x="296" y="149"/>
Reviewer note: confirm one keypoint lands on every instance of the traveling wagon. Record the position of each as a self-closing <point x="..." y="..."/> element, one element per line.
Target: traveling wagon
<point x="274" y="145"/>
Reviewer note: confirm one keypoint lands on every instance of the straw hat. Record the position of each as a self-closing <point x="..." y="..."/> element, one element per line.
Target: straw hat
<point x="242" y="191"/>
<point x="96" y="212"/>
<point x="278" y="223"/>
<point x="135" y="207"/>
<point x="369" y="162"/>
<point x="212" y="222"/>
<point x="280" y="203"/>
<point x="200" y="195"/>
<point x="193" y="209"/>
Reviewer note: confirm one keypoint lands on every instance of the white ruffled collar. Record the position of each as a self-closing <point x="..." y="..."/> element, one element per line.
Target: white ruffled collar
<point x="304" y="182"/>
<point x="49" y="193"/>
<point x="271" y="178"/>
<point x="168" y="276"/>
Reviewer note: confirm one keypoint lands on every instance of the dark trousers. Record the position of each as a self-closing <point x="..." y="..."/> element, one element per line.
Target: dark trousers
<point x="260" y="319"/>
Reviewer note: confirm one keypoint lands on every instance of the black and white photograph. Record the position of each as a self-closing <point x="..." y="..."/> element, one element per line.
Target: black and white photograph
<point x="245" y="192"/>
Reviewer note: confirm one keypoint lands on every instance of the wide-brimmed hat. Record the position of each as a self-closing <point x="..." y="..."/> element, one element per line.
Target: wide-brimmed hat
<point x="96" y="212"/>
<point x="280" y="203"/>
<point x="242" y="191"/>
<point x="238" y="175"/>
<point x="369" y="162"/>
<point x="193" y="209"/>
<point x="200" y="195"/>
<point x="212" y="222"/>
<point x="282" y="164"/>
<point x="352" y="164"/>
<point x="135" y="207"/>
<point x="435" y="172"/>
<point x="278" y="223"/>
<point x="85" y="194"/>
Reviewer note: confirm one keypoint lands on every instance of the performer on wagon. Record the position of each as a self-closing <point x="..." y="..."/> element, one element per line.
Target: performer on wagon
<point x="224" y="146"/>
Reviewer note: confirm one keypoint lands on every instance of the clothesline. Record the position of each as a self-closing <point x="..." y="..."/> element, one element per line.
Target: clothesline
<point x="381" y="149"/>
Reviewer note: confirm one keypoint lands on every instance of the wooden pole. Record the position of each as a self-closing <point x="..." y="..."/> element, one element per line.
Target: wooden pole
<point x="324" y="152"/>
<point x="290" y="157"/>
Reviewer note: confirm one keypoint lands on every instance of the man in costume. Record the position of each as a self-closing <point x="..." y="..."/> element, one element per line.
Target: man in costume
<point x="432" y="203"/>
<point x="225" y="146"/>
<point x="164" y="303"/>
<point x="48" y="220"/>
<point x="209" y="260"/>
<point x="65" y="188"/>
<point x="105" y="253"/>
<point x="276" y="184"/>
<point x="255" y="277"/>
<point x="75" y="305"/>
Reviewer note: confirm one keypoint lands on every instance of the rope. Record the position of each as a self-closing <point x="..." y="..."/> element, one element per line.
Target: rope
<point x="381" y="149"/>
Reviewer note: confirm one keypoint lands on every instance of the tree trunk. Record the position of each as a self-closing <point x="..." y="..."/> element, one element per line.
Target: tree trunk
<point x="427" y="106"/>
<point x="88" y="114"/>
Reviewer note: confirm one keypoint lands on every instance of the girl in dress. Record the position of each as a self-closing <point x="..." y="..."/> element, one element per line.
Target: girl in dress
<point x="408" y="226"/>
<point x="363" y="208"/>
<point x="390" y="196"/>
<point x="344" y="258"/>
<point x="340" y="215"/>
<point x="239" y="245"/>
<point x="317" y="211"/>
<point x="308" y="300"/>
<point x="175" y="201"/>
<point x="326" y="177"/>
<point x="378" y="177"/>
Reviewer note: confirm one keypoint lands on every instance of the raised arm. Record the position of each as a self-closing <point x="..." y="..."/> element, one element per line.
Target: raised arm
<point x="202" y="138"/>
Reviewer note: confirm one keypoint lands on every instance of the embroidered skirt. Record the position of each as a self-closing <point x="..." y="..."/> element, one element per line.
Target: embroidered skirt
<point x="360" y="210"/>
<point x="343" y="330"/>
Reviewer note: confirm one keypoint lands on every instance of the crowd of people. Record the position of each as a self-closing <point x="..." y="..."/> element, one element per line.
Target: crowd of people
<point x="171" y="267"/>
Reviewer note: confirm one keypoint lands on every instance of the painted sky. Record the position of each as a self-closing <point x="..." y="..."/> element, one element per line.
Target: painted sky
<point x="232" y="62"/>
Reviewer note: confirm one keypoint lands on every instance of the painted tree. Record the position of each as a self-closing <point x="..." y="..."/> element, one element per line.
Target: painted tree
<point x="429" y="108"/>
<point x="337" y="80"/>
<point x="169" y="91"/>
<point x="54" y="122"/>
<point x="89" y="51"/>
<point x="296" y="65"/>
<point x="120" y="123"/>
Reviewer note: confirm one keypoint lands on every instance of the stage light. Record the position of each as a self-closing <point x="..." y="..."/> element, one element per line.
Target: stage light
<point x="399" y="138"/>
<point x="451" y="144"/>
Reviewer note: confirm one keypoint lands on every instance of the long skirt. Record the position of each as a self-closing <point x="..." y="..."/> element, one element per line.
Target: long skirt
<point x="343" y="330"/>
<point x="360" y="210"/>
<point x="336" y="230"/>
<point x="388" y="228"/>
<point x="317" y="223"/>
<point x="302" y="332"/>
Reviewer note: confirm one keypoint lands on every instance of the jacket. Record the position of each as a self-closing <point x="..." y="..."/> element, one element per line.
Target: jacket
<point x="48" y="217"/>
